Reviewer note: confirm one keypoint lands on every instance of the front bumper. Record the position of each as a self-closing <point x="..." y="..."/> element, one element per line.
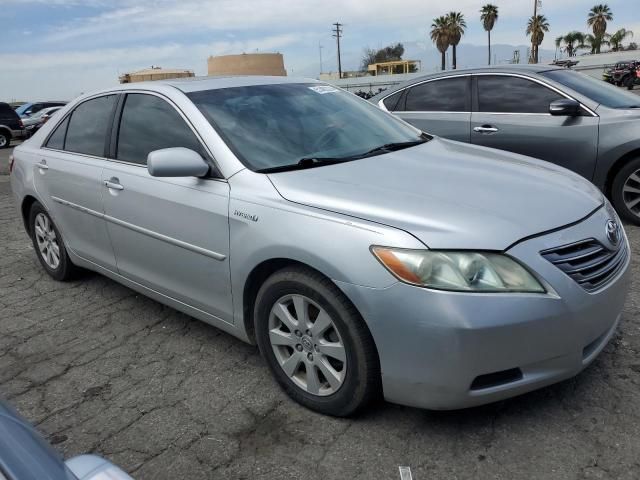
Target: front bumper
<point x="433" y="346"/>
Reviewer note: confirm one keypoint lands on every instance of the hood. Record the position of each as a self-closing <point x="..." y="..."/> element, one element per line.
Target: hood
<point x="448" y="194"/>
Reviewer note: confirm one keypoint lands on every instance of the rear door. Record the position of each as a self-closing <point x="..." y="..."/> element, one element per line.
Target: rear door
<point x="439" y="106"/>
<point x="512" y="113"/>
<point x="68" y="178"/>
<point x="169" y="234"/>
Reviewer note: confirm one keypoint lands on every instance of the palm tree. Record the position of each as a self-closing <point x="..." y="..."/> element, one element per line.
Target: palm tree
<point x="489" y="17"/>
<point x="595" y="43"/>
<point x="618" y="37"/>
<point x="440" y="36"/>
<point x="559" y="41"/>
<point x="456" y="26"/>
<point x="536" y="28"/>
<point x="570" y="40"/>
<point x="598" y="17"/>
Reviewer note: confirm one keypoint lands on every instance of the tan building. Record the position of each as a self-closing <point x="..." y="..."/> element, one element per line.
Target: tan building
<point x="394" y="67"/>
<point x="247" y="64"/>
<point x="155" y="73"/>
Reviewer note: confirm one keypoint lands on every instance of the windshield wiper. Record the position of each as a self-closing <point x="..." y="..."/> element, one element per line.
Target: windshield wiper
<point x="310" y="162"/>
<point x="306" y="162"/>
<point x="392" y="147"/>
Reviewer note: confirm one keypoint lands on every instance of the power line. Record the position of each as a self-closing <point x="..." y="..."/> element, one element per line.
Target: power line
<point x="337" y="33"/>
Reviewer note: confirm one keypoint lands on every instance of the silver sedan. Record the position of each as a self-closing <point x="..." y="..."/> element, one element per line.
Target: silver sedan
<point x="363" y="256"/>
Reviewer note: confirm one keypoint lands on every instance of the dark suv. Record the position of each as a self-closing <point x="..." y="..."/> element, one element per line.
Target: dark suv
<point x="10" y="125"/>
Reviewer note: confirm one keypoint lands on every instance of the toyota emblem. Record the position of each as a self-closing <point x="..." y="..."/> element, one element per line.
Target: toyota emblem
<point x="612" y="231"/>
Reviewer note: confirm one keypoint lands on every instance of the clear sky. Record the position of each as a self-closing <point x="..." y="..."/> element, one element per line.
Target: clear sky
<point x="52" y="49"/>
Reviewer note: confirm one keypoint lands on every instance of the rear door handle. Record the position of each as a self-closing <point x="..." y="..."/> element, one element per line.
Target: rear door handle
<point x="113" y="184"/>
<point x="486" y="129"/>
<point x="43" y="165"/>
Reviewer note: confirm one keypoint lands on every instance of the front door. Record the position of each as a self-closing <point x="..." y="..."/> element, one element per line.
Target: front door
<point x="168" y="234"/>
<point x="512" y="113"/>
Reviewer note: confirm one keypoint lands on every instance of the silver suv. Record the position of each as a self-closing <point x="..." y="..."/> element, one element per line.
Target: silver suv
<point x="551" y="113"/>
<point x="364" y="257"/>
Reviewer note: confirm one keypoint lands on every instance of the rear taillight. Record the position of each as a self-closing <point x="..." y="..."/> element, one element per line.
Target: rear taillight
<point x="11" y="161"/>
<point x="20" y="123"/>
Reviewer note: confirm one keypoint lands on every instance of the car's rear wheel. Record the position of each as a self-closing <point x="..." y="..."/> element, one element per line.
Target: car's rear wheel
<point x="49" y="245"/>
<point x="315" y="342"/>
<point x="5" y="139"/>
<point x="625" y="191"/>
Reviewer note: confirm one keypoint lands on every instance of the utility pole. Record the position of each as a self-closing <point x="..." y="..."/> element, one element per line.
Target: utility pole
<point x="320" y="47"/>
<point x="337" y="33"/>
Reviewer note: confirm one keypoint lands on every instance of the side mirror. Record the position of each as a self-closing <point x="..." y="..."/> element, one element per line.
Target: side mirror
<point x="564" y="108"/>
<point x="176" y="162"/>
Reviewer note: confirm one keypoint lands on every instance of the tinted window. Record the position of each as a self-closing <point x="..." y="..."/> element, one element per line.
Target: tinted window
<point x="88" y="126"/>
<point x="597" y="90"/>
<point x="149" y="123"/>
<point x="391" y="103"/>
<point x="503" y="94"/>
<point x="56" y="140"/>
<point x="449" y="95"/>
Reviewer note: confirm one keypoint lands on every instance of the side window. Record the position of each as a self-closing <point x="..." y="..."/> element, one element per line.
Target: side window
<point x="56" y="140"/>
<point x="504" y="94"/>
<point x="446" y="95"/>
<point x="392" y="102"/>
<point x="149" y="123"/>
<point x="88" y="126"/>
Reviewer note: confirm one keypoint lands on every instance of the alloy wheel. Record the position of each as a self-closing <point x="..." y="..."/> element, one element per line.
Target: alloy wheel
<point x="3" y="140"/>
<point x="307" y="345"/>
<point x="631" y="193"/>
<point x="47" y="241"/>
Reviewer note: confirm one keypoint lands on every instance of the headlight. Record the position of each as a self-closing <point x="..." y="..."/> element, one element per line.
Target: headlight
<point x="460" y="271"/>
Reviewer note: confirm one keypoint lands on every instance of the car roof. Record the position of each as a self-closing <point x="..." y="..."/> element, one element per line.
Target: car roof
<point x="522" y="69"/>
<point x="197" y="84"/>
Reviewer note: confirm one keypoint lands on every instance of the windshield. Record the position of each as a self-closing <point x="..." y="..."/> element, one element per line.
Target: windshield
<point x="597" y="90"/>
<point x="275" y="126"/>
<point x="23" y="108"/>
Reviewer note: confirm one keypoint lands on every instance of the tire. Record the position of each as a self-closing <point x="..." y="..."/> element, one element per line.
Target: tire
<point x="629" y="83"/>
<point x="623" y="191"/>
<point x="359" y="372"/>
<point x="40" y="222"/>
<point x="5" y="139"/>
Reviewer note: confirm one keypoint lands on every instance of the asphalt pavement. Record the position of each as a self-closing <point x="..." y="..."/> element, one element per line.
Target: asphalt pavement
<point x="99" y="368"/>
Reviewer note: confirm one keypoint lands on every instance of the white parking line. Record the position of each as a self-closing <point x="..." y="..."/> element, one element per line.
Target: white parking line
<point x="405" y="473"/>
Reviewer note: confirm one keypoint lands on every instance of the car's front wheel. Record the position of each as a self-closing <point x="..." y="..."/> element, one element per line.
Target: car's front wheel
<point x="315" y="342"/>
<point x="625" y="191"/>
<point x="48" y="244"/>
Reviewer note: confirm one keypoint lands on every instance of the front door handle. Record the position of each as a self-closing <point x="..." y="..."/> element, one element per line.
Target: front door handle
<point x="113" y="184"/>
<point x="43" y="165"/>
<point x="485" y="129"/>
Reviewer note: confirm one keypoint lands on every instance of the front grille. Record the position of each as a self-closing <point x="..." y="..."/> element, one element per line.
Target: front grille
<point x="588" y="262"/>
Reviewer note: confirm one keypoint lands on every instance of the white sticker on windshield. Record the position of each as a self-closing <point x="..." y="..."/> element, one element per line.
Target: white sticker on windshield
<point x="322" y="89"/>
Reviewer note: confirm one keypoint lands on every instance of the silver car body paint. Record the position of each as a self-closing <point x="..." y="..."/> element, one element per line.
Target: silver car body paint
<point x="192" y="244"/>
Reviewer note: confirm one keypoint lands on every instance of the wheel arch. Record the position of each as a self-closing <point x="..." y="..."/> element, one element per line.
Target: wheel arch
<point x="7" y="130"/>
<point x="256" y="279"/>
<point x="25" y="209"/>
<point x="616" y="167"/>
